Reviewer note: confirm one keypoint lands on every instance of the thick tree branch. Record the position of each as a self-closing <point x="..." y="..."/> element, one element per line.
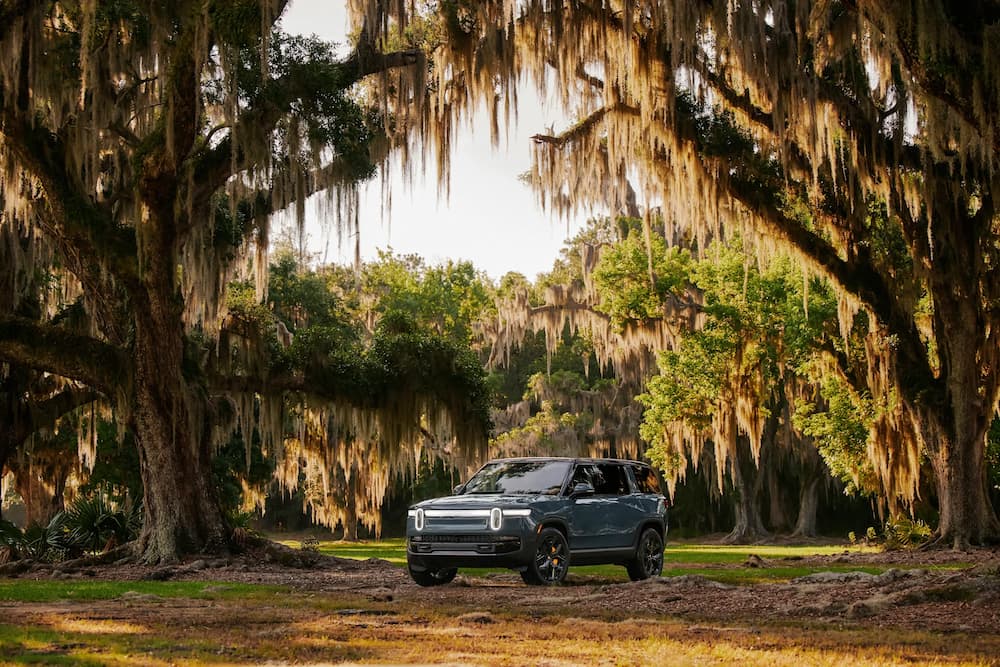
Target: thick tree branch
<point x="62" y="352"/>
<point x="46" y="413"/>
<point x="216" y="165"/>
<point x="75" y="219"/>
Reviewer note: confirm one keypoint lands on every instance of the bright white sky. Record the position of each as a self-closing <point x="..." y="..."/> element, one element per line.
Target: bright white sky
<point x="491" y="217"/>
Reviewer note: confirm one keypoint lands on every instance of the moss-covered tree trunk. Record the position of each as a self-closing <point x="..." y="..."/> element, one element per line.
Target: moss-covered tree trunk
<point x="182" y="512"/>
<point x="747" y="486"/>
<point x="954" y="409"/>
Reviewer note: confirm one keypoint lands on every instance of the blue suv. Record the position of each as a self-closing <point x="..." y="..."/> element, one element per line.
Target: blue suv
<point x="539" y="515"/>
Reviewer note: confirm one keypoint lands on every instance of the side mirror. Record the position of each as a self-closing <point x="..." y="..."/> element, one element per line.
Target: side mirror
<point x="582" y="489"/>
<point x="458" y="489"/>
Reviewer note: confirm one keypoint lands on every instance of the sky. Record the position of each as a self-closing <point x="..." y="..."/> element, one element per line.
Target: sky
<point x="491" y="218"/>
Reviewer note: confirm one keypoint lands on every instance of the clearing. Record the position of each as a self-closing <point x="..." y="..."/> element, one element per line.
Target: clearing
<point x="717" y="605"/>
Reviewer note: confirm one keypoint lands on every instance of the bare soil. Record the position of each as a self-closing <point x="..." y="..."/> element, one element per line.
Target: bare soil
<point x="909" y="596"/>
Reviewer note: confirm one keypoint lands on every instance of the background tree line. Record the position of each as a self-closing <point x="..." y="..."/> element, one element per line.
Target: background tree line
<point x="759" y="346"/>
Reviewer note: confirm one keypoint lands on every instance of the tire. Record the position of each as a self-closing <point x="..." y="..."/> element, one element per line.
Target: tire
<point x="550" y="563"/>
<point x="432" y="577"/>
<point x="648" y="560"/>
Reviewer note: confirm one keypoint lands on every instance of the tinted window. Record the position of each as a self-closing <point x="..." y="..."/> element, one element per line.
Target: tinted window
<point x="519" y="477"/>
<point x="646" y="479"/>
<point x="608" y="479"/>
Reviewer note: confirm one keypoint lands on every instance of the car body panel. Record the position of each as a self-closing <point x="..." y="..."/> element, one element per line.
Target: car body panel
<point x="455" y="531"/>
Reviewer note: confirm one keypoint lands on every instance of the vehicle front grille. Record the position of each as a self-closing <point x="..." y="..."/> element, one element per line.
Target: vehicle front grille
<point x="484" y="544"/>
<point x="463" y="539"/>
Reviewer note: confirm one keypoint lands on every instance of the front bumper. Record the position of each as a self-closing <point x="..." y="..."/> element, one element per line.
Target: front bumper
<point x="442" y="551"/>
<point x="465" y="539"/>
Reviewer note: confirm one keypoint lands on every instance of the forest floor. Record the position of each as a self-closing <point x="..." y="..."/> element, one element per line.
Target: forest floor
<point x="278" y="605"/>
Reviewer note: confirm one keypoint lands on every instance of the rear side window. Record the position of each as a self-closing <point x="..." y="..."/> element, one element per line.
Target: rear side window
<point x="646" y="479"/>
<point x="613" y="481"/>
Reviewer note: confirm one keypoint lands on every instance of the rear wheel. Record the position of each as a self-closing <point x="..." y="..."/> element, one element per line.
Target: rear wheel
<point x="432" y="577"/>
<point x="648" y="560"/>
<point x="551" y="560"/>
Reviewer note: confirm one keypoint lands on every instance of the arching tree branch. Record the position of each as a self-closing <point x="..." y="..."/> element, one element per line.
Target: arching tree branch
<point x="62" y="352"/>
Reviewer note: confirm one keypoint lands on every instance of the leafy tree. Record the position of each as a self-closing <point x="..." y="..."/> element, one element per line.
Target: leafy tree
<point x="731" y="383"/>
<point x="149" y="146"/>
<point x="790" y="122"/>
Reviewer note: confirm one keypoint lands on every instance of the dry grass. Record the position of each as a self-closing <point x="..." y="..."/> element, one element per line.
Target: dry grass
<point x="327" y="628"/>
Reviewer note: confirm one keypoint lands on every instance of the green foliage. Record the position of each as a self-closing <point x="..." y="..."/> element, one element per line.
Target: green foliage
<point x="993" y="458"/>
<point x="116" y="473"/>
<point x="236" y="22"/>
<point x="236" y="462"/>
<point x="11" y="541"/>
<point x="89" y="524"/>
<point x="51" y="542"/>
<point x="630" y="288"/>
<point x="905" y="533"/>
<point x="446" y="298"/>
<point x="93" y="523"/>
<point x="840" y="431"/>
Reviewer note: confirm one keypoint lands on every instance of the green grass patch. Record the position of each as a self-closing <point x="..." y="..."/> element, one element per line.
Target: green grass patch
<point x="21" y="590"/>
<point x="714" y="561"/>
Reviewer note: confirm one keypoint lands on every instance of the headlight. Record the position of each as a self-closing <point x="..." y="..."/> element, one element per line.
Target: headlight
<point x="497" y="515"/>
<point x="418" y="518"/>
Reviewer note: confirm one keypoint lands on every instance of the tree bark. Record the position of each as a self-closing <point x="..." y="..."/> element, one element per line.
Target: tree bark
<point x="170" y="419"/>
<point x="958" y="462"/>
<point x="745" y="477"/>
<point x="805" y="525"/>
<point x="954" y="413"/>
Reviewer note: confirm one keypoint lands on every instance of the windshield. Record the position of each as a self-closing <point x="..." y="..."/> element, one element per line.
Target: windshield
<point x="519" y="477"/>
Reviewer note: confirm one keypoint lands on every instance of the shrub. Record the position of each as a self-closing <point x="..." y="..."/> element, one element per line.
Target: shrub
<point x="904" y="533"/>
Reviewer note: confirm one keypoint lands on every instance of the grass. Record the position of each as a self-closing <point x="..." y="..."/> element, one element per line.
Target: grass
<point x="22" y="590"/>
<point x="717" y="562"/>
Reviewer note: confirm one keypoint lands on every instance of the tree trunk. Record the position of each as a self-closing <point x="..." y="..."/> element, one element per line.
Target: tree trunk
<point x="350" y="525"/>
<point x="963" y="499"/>
<point x="805" y="525"/>
<point x="749" y="526"/>
<point x="170" y="419"/>
<point x="777" y="517"/>
<point x="954" y="413"/>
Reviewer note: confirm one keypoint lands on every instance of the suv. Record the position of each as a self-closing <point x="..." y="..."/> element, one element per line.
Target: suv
<point x="538" y="515"/>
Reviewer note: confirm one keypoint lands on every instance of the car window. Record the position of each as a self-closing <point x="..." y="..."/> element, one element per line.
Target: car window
<point x="583" y="474"/>
<point x="646" y="479"/>
<point x="613" y="480"/>
<point x="608" y="479"/>
<point x="519" y="477"/>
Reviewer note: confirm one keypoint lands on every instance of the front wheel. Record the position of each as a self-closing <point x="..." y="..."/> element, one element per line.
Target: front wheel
<point x="432" y="577"/>
<point x="551" y="560"/>
<point x="648" y="560"/>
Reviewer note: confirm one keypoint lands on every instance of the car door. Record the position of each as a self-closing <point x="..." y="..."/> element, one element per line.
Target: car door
<point x="588" y="514"/>
<point x="599" y="521"/>
<point x="624" y="511"/>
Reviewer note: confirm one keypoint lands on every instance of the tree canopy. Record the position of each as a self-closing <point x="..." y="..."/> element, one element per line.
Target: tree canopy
<point x="147" y="145"/>
<point x="859" y="136"/>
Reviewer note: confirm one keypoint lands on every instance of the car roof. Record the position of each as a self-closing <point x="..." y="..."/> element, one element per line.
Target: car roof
<point x="572" y="459"/>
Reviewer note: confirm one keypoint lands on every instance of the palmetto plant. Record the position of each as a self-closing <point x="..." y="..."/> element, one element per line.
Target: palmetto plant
<point x="93" y="523"/>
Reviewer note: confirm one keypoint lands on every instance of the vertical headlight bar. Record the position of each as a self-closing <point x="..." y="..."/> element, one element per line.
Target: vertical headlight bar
<point x="496" y="518"/>
<point x="418" y="519"/>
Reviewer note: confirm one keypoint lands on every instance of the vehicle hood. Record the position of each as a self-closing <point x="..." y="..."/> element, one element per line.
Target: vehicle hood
<point x="480" y="501"/>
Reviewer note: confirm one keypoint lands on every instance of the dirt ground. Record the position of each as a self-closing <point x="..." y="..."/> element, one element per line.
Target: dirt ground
<point x="911" y="595"/>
